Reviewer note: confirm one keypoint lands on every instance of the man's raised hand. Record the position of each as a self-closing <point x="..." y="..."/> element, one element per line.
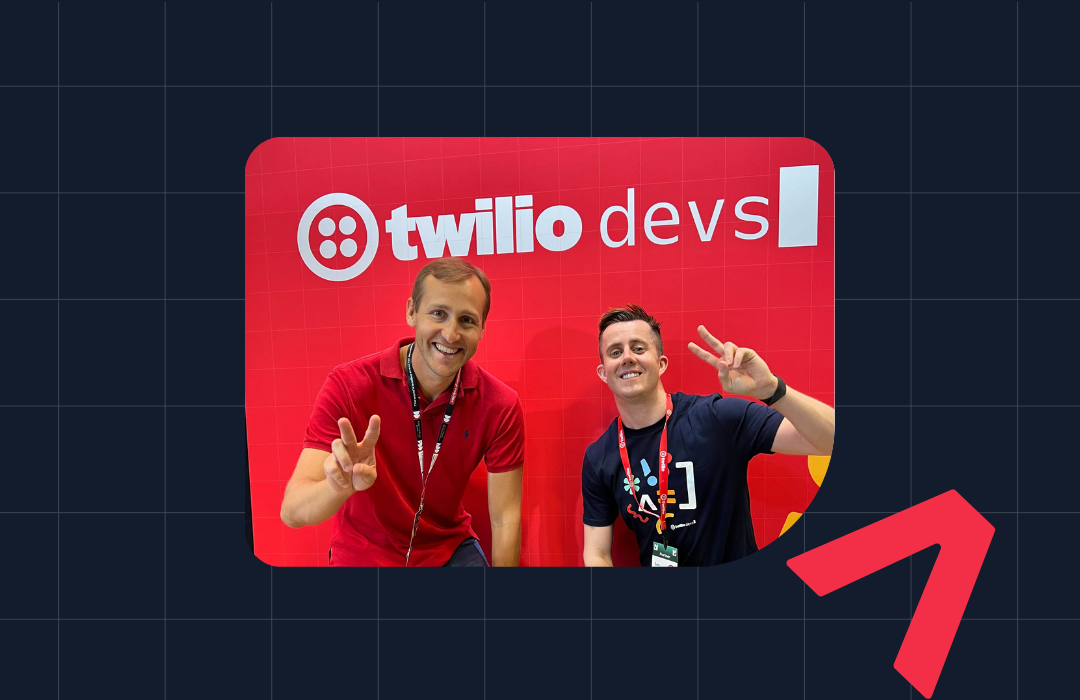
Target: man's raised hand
<point x="350" y="466"/>
<point x="740" y="370"/>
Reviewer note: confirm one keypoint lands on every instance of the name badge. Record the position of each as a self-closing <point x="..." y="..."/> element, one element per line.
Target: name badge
<point x="664" y="556"/>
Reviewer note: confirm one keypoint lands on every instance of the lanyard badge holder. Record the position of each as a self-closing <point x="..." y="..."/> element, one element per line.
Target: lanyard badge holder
<point x="414" y="394"/>
<point x="662" y="554"/>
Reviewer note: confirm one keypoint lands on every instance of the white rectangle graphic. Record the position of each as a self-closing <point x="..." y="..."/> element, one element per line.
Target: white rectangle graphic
<point x="798" y="206"/>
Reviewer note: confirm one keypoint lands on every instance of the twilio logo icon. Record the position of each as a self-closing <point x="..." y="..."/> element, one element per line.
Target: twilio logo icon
<point x="328" y="237"/>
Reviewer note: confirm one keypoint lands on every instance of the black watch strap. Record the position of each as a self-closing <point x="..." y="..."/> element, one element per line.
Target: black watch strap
<point x="781" y="389"/>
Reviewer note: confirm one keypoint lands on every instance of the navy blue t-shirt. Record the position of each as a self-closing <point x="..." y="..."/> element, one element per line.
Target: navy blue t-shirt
<point x="711" y="439"/>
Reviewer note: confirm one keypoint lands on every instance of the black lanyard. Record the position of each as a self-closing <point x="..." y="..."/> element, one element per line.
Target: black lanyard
<point x="411" y="376"/>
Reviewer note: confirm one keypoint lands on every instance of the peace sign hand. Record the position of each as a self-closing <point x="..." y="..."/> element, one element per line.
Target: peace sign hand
<point x="740" y="370"/>
<point x="350" y="466"/>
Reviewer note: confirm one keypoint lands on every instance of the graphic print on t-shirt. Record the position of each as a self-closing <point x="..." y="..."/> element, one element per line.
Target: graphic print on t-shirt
<point x="711" y="440"/>
<point x="645" y="502"/>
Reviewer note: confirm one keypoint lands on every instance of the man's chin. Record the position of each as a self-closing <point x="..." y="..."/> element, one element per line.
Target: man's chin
<point x="629" y="392"/>
<point x="447" y="365"/>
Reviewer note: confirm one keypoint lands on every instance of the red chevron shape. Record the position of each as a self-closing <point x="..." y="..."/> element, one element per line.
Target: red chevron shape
<point x="947" y="520"/>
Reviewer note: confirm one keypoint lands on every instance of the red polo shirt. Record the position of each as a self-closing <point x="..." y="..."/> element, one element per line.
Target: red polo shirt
<point x="372" y="528"/>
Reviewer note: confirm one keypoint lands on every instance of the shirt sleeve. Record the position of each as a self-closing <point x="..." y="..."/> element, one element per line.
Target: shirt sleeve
<point x="598" y="505"/>
<point x="750" y="426"/>
<point x="330" y="405"/>
<point x="507" y="451"/>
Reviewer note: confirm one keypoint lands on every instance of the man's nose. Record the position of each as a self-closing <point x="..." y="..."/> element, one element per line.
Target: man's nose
<point x="452" y="333"/>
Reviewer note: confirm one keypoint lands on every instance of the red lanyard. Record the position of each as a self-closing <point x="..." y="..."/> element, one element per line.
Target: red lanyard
<point x="414" y="394"/>
<point x="662" y="525"/>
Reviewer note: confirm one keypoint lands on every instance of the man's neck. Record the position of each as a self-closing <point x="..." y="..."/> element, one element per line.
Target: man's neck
<point x="429" y="387"/>
<point x="644" y="411"/>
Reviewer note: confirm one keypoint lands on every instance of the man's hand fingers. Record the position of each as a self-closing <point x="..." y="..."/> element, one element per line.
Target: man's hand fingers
<point x="347" y="434"/>
<point x="363" y="476"/>
<point x="334" y="472"/>
<point x="710" y="339"/>
<point x="341" y="454"/>
<point x="726" y="350"/>
<point x="742" y="356"/>
<point x="371" y="436"/>
<point x="705" y="355"/>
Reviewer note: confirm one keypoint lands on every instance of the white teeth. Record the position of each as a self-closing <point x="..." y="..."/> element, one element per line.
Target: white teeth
<point x="630" y="375"/>
<point x="444" y="349"/>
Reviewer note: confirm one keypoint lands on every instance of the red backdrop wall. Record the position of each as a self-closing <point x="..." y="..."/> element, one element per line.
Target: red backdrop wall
<point x="541" y="334"/>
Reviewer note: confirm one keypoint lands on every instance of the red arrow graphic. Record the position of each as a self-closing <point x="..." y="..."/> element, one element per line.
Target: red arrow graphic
<point x="947" y="520"/>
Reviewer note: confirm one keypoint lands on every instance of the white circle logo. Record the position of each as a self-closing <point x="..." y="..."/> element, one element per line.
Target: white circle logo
<point x="331" y="223"/>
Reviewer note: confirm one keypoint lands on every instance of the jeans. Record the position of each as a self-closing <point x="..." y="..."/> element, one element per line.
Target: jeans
<point x="468" y="553"/>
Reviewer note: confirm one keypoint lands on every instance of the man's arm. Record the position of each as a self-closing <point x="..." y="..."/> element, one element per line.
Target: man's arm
<point x="323" y="481"/>
<point x="808" y="424"/>
<point x="598" y="545"/>
<point x="504" y="507"/>
<point x="309" y="500"/>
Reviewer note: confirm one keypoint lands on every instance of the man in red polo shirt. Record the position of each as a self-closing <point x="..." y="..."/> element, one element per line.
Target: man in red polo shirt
<point x="420" y="398"/>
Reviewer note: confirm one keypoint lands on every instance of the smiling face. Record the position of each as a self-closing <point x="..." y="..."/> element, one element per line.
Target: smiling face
<point x="631" y="363"/>
<point x="449" y="325"/>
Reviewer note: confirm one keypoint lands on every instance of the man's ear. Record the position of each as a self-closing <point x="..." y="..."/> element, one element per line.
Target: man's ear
<point x="663" y="364"/>
<point x="410" y="312"/>
<point x="600" y="373"/>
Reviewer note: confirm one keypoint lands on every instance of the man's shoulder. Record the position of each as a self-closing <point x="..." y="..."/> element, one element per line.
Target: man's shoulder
<point x="495" y="391"/>
<point x="361" y="372"/>
<point x="700" y="416"/>
<point x="712" y="402"/>
<point x="714" y="421"/>
<point x="604" y="444"/>
<point x="692" y="403"/>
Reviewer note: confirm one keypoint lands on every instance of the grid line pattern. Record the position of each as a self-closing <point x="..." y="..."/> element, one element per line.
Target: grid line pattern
<point x="247" y="623"/>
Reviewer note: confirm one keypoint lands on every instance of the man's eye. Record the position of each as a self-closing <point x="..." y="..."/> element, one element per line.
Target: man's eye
<point x="437" y="314"/>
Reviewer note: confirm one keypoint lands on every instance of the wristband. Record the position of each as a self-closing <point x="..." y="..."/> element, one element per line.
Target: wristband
<point x="781" y="389"/>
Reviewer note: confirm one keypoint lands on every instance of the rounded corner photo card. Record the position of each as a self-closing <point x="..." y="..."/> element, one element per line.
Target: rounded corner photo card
<point x="536" y="351"/>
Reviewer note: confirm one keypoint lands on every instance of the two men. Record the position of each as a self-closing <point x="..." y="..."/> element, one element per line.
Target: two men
<point x="673" y="467"/>
<point x="421" y="401"/>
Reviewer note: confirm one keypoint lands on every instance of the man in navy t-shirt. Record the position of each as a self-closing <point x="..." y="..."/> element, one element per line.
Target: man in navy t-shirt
<point x="696" y="446"/>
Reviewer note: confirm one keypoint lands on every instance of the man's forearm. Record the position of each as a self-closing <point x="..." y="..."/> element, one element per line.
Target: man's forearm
<point x="815" y="421"/>
<point x="595" y="559"/>
<point x="309" y="502"/>
<point x="506" y="540"/>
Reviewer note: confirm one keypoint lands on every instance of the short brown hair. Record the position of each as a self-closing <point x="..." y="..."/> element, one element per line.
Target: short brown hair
<point x="452" y="270"/>
<point x="630" y="312"/>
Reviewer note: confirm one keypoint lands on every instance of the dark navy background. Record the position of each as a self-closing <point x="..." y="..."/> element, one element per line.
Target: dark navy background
<point x="122" y="501"/>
